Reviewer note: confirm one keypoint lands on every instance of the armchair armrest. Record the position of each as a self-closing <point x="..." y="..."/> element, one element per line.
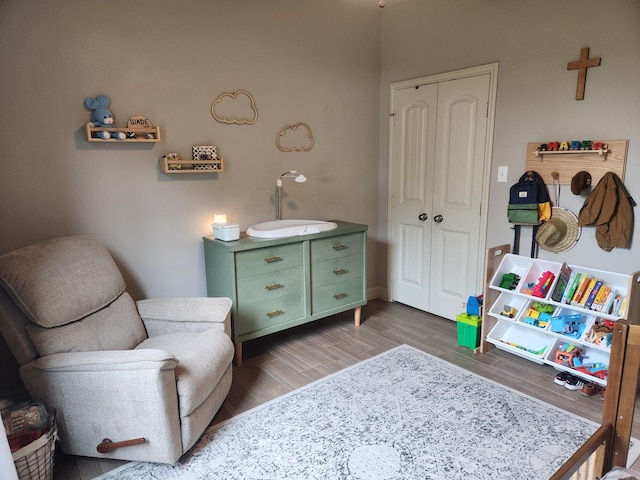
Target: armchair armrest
<point x="105" y="361"/>
<point x="168" y="315"/>
<point x="118" y="394"/>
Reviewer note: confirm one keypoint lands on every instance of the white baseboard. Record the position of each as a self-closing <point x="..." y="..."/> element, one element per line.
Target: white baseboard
<point x="377" y="292"/>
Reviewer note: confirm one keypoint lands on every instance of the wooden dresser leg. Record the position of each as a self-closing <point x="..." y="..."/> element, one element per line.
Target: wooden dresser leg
<point x="238" y="357"/>
<point x="357" y="315"/>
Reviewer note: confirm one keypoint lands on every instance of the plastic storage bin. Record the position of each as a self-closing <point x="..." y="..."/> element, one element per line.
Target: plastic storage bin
<point x="468" y="330"/>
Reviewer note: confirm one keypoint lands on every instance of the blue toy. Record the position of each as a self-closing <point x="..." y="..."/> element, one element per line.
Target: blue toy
<point x="474" y="304"/>
<point x="568" y="325"/>
<point x="102" y="117"/>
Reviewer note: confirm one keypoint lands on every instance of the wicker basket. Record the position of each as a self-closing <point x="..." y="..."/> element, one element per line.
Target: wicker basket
<point x="35" y="461"/>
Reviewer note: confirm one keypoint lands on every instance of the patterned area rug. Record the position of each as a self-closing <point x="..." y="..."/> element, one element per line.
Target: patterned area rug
<point x="401" y="415"/>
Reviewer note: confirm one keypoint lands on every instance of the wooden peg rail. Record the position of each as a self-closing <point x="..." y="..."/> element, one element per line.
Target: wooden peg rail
<point x="567" y="163"/>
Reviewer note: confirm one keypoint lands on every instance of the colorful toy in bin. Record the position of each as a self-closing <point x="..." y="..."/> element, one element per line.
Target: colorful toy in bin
<point x="539" y="315"/>
<point x="509" y="311"/>
<point x="468" y="330"/>
<point x="537" y="319"/>
<point x="543" y="285"/>
<point x="569" y="355"/>
<point x="509" y="281"/>
<point x="601" y="333"/>
<point x="569" y="325"/>
<point x="599" y="370"/>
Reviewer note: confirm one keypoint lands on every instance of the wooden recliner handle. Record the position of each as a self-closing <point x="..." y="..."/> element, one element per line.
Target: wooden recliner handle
<point x="108" y="445"/>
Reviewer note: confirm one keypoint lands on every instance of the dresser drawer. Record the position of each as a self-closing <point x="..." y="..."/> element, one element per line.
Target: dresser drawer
<point x="336" y="247"/>
<point x="269" y="313"/>
<point x="259" y="288"/>
<point x="268" y="259"/>
<point x="337" y="270"/>
<point x="337" y="294"/>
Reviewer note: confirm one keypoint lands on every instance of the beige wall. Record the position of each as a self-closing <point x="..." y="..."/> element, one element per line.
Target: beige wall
<point x="328" y="63"/>
<point x="533" y="42"/>
<point x="302" y="60"/>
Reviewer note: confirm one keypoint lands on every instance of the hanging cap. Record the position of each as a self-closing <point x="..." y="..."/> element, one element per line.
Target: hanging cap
<point x="560" y="232"/>
<point x="580" y="182"/>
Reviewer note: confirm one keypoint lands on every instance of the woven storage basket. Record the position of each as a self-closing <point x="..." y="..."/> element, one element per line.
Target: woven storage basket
<point x="35" y="461"/>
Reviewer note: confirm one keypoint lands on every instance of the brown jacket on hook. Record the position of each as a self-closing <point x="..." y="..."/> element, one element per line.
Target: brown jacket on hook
<point x="610" y="208"/>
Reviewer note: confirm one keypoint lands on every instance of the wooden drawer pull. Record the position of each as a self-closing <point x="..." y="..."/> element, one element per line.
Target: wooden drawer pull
<point x="340" y="271"/>
<point x="275" y="313"/>
<point x="340" y="247"/>
<point x="272" y="259"/>
<point x="273" y="286"/>
<point x="338" y="296"/>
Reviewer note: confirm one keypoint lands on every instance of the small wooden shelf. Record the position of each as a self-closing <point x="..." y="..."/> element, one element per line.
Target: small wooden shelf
<point x="140" y="134"/>
<point x="172" y="167"/>
<point x="602" y="152"/>
<point x="566" y="163"/>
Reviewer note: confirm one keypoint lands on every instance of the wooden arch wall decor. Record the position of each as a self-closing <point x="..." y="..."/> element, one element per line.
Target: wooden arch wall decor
<point x="240" y="118"/>
<point x="290" y="132"/>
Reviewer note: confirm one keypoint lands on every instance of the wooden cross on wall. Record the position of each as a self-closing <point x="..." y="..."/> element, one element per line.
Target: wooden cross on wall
<point x="582" y="65"/>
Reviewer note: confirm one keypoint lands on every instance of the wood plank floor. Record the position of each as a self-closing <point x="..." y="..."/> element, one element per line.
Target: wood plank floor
<point x="288" y="360"/>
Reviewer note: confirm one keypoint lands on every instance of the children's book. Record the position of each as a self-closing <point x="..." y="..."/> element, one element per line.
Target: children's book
<point x="607" y="303"/>
<point x="587" y="291"/>
<point x="572" y="290"/>
<point x="619" y="306"/>
<point x="592" y="294"/>
<point x="562" y="283"/>
<point x="584" y="283"/>
<point x="600" y="298"/>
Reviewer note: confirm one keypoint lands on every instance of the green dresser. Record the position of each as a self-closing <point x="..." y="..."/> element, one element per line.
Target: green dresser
<point x="277" y="284"/>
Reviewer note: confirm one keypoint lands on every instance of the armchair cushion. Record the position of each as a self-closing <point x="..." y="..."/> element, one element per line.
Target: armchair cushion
<point x="115" y="327"/>
<point x="202" y="361"/>
<point x="54" y="285"/>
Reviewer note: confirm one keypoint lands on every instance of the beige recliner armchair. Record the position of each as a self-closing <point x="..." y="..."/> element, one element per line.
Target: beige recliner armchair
<point x="113" y="368"/>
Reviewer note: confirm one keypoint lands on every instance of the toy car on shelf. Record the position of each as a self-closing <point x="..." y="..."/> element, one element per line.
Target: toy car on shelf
<point x="509" y="281"/>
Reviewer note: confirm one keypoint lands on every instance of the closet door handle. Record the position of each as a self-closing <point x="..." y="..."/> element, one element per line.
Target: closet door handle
<point x="422" y="217"/>
<point x="438" y="218"/>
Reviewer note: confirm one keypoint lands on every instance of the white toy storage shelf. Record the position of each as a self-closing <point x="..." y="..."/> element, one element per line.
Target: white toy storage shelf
<point x="507" y="325"/>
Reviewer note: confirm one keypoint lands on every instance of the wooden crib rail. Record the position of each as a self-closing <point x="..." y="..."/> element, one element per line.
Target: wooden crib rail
<point x="587" y="462"/>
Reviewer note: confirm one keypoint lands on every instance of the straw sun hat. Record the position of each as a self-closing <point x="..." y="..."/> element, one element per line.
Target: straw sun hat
<point x="560" y="232"/>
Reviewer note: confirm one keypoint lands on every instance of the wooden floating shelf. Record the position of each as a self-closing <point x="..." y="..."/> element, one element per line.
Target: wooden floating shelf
<point x="140" y="134"/>
<point x="602" y="152"/>
<point x="566" y="163"/>
<point x="172" y="167"/>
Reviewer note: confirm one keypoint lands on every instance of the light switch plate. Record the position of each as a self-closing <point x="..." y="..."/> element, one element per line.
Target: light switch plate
<point x="503" y="171"/>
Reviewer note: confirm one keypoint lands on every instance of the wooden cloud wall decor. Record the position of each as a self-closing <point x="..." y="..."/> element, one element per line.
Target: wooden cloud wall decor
<point x="237" y="108"/>
<point x="290" y="139"/>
